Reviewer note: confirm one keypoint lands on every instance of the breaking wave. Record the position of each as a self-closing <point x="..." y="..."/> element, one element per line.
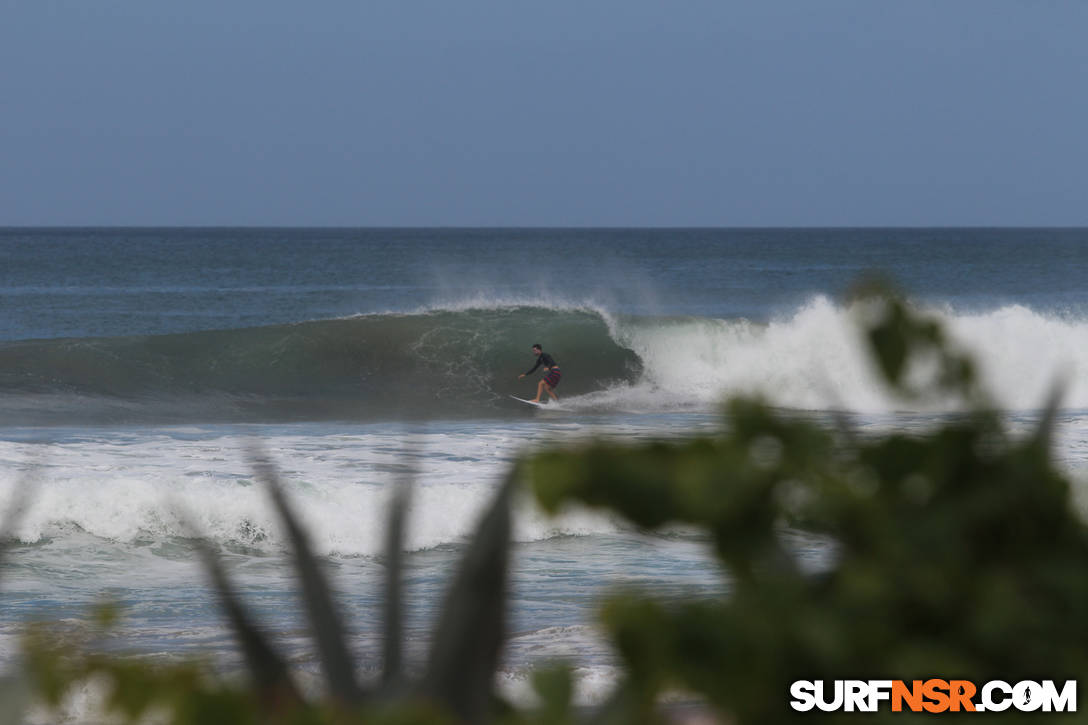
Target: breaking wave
<point x="463" y="362"/>
<point x="442" y="363"/>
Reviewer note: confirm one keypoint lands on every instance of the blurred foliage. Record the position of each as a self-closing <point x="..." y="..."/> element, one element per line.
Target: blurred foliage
<point x="457" y="683"/>
<point x="957" y="550"/>
<point x="957" y="553"/>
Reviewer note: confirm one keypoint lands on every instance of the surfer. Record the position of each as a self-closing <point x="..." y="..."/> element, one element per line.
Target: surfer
<point x="551" y="377"/>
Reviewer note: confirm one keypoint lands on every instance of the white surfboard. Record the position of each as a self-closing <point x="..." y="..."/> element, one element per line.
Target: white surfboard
<point x="543" y="406"/>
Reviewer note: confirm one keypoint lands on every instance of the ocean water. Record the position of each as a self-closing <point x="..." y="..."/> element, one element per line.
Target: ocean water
<point x="136" y="366"/>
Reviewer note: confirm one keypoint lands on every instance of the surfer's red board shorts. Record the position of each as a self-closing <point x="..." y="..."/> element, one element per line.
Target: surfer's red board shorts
<point x="553" y="377"/>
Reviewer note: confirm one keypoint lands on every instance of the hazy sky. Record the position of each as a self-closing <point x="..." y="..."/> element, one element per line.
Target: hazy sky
<point x="555" y="112"/>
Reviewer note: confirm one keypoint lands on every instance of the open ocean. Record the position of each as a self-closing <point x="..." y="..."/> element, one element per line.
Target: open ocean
<point x="136" y="364"/>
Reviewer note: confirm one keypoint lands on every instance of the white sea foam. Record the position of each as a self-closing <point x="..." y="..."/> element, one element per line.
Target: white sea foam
<point x="592" y="685"/>
<point x="100" y="496"/>
<point x="145" y="489"/>
<point x="816" y="359"/>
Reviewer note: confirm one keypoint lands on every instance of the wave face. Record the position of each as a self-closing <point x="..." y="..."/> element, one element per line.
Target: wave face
<point x="464" y="362"/>
<point x="445" y="363"/>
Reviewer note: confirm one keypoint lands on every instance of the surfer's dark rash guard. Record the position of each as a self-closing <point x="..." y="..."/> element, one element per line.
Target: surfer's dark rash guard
<point x="542" y="359"/>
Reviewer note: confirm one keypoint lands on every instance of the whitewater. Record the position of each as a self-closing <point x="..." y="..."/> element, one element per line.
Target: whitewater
<point x="138" y="366"/>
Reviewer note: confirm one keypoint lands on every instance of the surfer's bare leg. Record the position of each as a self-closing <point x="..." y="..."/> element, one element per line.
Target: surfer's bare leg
<point x="540" y="391"/>
<point x="551" y="391"/>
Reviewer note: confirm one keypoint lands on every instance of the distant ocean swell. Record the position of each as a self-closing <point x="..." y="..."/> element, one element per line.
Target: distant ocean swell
<point x="463" y="363"/>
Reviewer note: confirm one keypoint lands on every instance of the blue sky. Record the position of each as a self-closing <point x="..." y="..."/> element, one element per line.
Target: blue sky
<point x="608" y="112"/>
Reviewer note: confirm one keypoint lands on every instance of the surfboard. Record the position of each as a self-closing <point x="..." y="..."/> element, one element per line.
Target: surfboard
<point x="542" y="406"/>
<point x="529" y="402"/>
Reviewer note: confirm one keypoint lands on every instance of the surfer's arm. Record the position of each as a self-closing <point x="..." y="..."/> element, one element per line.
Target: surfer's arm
<point x="539" y="362"/>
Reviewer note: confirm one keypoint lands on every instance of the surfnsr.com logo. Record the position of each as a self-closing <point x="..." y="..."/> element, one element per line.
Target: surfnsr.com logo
<point x="934" y="696"/>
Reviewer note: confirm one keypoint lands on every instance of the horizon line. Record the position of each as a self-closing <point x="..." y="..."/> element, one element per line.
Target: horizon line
<point x="530" y="227"/>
